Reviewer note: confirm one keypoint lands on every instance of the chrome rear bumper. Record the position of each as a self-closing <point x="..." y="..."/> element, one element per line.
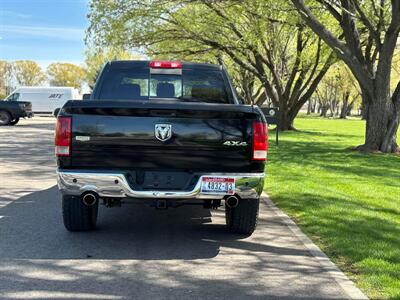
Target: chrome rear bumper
<point x="115" y="185"/>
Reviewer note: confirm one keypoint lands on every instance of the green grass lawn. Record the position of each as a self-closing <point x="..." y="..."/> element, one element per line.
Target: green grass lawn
<point x="347" y="202"/>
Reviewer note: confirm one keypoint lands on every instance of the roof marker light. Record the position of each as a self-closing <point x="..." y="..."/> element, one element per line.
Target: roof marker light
<point x="157" y="64"/>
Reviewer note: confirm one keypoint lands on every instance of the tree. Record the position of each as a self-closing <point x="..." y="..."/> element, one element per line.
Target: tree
<point x="28" y="73"/>
<point x="366" y="42"/>
<point x="349" y="90"/>
<point x="6" y="74"/>
<point x="338" y="92"/>
<point x="95" y="59"/>
<point x="66" y="74"/>
<point x="270" y="53"/>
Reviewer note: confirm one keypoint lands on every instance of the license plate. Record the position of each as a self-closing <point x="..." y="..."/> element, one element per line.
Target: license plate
<point x="218" y="185"/>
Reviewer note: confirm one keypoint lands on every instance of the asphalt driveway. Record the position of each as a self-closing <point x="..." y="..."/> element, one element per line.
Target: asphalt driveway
<point x="140" y="252"/>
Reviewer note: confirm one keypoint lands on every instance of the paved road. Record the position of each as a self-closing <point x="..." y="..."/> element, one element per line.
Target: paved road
<point x="137" y="252"/>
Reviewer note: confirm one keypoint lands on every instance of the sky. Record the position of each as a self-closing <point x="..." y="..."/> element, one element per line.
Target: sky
<point x="45" y="31"/>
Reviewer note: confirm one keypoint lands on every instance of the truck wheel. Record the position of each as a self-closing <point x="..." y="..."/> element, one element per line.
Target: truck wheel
<point x="5" y="118"/>
<point x="243" y="218"/>
<point x="78" y="216"/>
<point x="15" y="121"/>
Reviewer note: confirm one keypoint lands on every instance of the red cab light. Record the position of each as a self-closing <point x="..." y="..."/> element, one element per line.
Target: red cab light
<point x="260" y="141"/>
<point x="63" y="136"/>
<point x="157" y="64"/>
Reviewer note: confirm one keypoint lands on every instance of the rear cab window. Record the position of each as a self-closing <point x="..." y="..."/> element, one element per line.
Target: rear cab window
<point x="188" y="84"/>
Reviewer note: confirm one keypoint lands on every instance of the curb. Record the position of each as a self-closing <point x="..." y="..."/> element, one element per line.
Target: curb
<point x="345" y="283"/>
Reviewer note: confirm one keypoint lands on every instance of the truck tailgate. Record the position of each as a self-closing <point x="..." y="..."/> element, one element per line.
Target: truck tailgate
<point x="121" y="135"/>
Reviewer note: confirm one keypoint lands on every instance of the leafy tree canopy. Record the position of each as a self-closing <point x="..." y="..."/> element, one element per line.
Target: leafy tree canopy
<point x="66" y="74"/>
<point x="28" y="73"/>
<point x="268" y="50"/>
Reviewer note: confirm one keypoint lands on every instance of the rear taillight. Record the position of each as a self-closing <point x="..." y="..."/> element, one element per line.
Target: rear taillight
<point x="156" y="64"/>
<point x="63" y="136"/>
<point x="260" y="140"/>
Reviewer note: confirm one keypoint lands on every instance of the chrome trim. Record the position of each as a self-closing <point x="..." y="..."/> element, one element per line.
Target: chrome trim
<point x="115" y="185"/>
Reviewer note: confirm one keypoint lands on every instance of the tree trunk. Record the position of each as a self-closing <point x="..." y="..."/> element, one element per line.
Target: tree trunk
<point x="350" y="108"/>
<point x="364" y="108"/>
<point x="389" y="143"/>
<point x="332" y="108"/>
<point x="286" y="121"/>
<point x="324" y="110"/>
<point x="345" y="106"/>
<point x="314" y="106"/>
<point x="382" y="123"/>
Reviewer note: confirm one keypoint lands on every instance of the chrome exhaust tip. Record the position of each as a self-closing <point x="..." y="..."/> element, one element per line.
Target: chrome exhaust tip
<point x="89" y="199"/>
<point x="232" y="201"/>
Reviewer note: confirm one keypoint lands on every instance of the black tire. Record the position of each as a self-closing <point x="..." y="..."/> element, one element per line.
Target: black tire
<point x="78" y="216"/>
<point x="14" y="122"/>
<point x="243" y="218"/>
<point x="5" y="118"/>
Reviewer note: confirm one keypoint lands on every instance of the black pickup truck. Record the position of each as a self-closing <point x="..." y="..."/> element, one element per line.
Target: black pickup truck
<point x="11" y="111"/>
<point x="165" y="133"/>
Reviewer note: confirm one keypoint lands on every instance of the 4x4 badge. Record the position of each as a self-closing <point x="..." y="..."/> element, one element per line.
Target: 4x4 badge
<point x="235" y="143"/>
<point x="163" y="132"/>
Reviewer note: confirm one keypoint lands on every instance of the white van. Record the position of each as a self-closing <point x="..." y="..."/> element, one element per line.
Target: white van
<point x="45" y="99"/>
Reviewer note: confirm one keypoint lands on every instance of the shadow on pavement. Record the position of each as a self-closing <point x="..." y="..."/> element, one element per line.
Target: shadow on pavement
<point x="140" y="252"/>
<point x="31" y="228"/>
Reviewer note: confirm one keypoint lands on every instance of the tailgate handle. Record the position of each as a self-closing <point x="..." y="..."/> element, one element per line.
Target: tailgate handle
<point x="163" y="113"/>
